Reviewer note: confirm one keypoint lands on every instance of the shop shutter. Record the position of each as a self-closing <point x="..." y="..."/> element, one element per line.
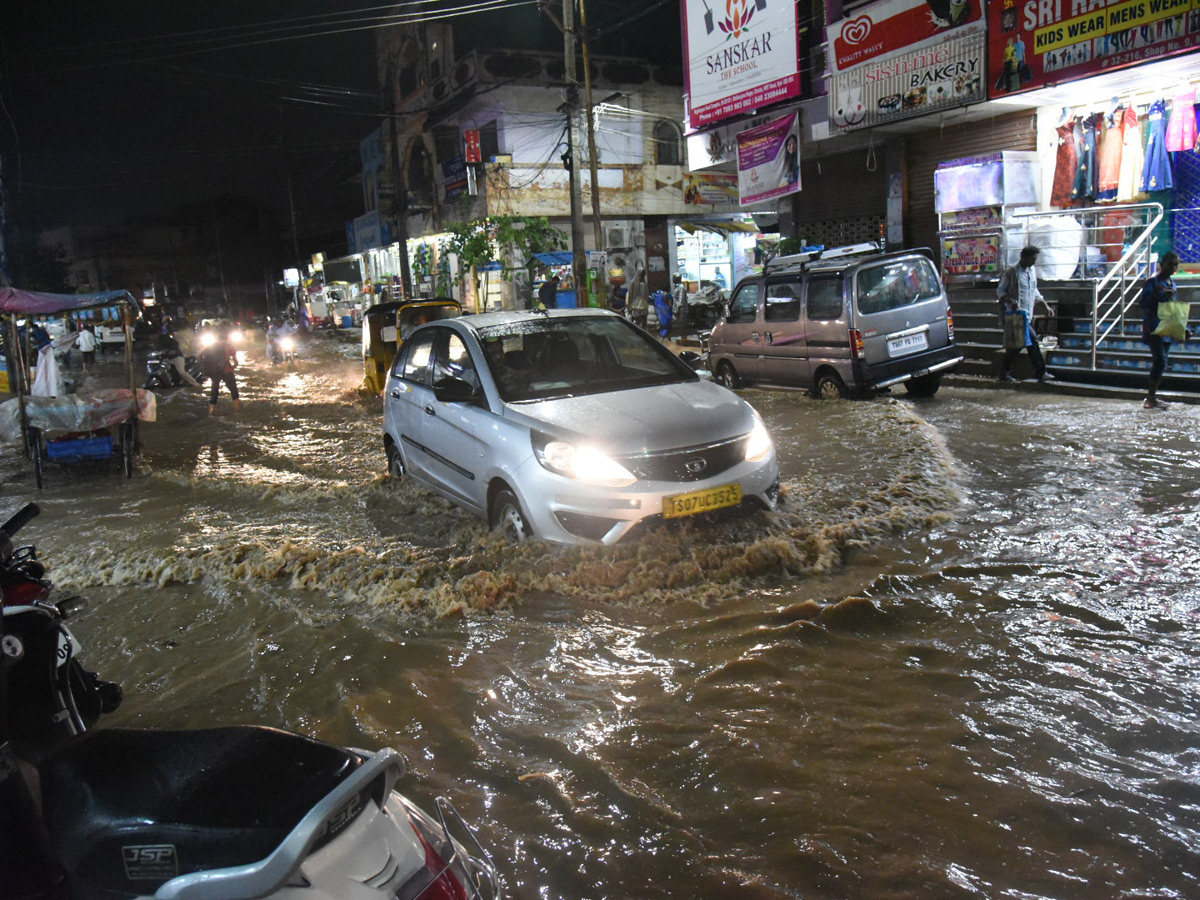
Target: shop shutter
<point x="844" y="198"/>
<point x="1017" y="131"/>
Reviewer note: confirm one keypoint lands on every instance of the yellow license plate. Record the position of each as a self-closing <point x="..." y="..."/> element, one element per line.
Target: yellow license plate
<point x="701" y="501"/>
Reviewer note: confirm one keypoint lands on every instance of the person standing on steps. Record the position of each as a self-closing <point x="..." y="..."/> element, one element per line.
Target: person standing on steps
<point x="1157" y="289"/>
<point x="1018" y="292"/>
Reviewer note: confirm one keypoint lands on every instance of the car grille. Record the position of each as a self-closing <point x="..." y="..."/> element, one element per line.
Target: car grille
<point x="688" y="463"/>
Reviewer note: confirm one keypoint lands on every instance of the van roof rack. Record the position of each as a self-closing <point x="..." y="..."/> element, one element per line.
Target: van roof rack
<point x="800" y="260"/>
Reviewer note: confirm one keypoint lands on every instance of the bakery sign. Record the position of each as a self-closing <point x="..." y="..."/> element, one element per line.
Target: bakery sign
<point x="903" y="58"/>
<point x="739" y="56"/>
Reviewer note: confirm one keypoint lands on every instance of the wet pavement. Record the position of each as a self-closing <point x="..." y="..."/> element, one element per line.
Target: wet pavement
<point x="960" y="660"/>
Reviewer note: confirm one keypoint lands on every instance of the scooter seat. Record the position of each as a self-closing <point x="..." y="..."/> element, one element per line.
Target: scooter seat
<point x="129" y="809"/>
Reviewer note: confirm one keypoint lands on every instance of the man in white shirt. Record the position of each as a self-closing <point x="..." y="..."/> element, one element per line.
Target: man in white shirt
<point x="1018" y="292"/>
<point x="86" y="342"/>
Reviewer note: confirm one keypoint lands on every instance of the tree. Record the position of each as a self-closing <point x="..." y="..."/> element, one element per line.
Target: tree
<point x="498" y="239"/>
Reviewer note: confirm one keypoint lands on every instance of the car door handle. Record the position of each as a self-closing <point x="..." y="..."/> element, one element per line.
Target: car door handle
<point x="395" y="393"/>
<point x="768" y="337"/>
<point x="429" y="411"/>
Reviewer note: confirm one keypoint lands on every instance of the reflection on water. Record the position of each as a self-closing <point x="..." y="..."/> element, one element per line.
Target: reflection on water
<point x="959" y="661"/>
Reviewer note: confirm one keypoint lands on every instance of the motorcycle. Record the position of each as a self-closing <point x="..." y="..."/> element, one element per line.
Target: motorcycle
<point x="160" y="373"/>
<point x="282" y="349"/>
<point x="233" y="813"/>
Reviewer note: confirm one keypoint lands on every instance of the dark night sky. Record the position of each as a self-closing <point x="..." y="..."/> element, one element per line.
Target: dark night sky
<point x="109" y="112"/>
<point x="132" y="107"/>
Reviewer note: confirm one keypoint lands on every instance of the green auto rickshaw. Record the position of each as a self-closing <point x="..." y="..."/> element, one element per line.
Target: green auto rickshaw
<point x="386" y="325"/>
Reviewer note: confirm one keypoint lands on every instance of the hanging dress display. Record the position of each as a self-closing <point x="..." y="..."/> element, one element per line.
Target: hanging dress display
<point x="1181" y="129"/>
<point x="1133" y="156"/>
<point x="1111" y="147"/>
<point x="1085" y="172"/>
<point x="1065" y="164"/>
<point x="1156" y="173"/>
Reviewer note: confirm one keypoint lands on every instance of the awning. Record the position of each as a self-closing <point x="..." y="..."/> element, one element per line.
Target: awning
<point x="39" y="303"/>
<point x="718" y="227"/>
<point x="555" y="258"/>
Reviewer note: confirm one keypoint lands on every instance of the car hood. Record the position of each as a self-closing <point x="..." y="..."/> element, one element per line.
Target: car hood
<point x="652" y="418"/>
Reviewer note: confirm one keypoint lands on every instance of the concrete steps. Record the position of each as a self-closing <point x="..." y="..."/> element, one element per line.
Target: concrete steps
<point x="1122" y="359"/>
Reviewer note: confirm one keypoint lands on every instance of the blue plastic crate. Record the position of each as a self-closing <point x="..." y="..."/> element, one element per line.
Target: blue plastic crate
<point x="80" y="448"/>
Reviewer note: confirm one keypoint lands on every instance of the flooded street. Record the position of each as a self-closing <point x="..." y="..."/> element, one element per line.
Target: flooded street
<point x="960" y="661"/>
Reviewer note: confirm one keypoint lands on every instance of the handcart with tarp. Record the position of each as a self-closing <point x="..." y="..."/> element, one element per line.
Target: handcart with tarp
<point x="70" y="428"/>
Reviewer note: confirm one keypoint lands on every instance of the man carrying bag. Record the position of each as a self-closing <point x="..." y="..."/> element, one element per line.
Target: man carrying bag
<point x="1161" y="322"/>
<point x="1018" y="292"/>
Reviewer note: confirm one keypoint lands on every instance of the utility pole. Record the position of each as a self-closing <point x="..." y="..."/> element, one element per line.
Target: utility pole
<point x="400" y="197"/>
<point x="579" y="269"/>
<point x="597" y="228"/>
<point x="4" y="282"/>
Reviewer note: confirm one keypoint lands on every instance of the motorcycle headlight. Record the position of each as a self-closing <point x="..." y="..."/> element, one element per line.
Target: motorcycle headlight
<point x="759" y="444"/>
<point x="287" y="344"/>
<point x="582" y="462"/>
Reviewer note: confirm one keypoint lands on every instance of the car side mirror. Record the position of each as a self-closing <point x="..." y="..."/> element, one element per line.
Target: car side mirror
<point x="453" y="390"/>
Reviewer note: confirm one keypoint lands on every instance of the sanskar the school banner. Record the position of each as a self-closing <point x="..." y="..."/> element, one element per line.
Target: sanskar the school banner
<point x="1038" y="42"/>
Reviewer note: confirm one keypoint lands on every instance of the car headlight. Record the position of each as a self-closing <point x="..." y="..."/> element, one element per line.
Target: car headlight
<point x="759" y="444"/>
<point x="582" y="462"/>
<point x="236" y="337"/>
<point x="207" y="339"/>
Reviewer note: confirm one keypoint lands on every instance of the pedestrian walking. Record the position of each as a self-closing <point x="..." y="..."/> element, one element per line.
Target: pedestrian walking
<point x="1159" y="288"/>
<point x="218" y="361"/>
<point x="1018" y="292"/>
<point x="638" y="298"/>
<point x="86" y="342"/>
<point x="548" y="293"/>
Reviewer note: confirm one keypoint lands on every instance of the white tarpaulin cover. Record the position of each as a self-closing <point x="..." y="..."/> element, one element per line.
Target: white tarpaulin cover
<point x="74" y="412"/>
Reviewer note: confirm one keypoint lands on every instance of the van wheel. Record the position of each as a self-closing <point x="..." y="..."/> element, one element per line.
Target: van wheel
<point x="395" y="462"/>
<point x="924" y="386"/>
<point x="829" y="386"/>
<point x="507" y="518"/>
<point x="727" y="375"/>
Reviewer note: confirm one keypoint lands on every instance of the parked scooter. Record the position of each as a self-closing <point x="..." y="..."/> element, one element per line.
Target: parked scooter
<point x="231" y="813"/>
<point x="161" y="373"/>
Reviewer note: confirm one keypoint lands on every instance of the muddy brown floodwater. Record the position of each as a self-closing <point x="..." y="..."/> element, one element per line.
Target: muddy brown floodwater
<point x="960" y="661"/>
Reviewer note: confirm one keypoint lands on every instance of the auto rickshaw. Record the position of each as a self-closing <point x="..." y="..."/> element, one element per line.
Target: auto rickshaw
<point x="386" y="325"/>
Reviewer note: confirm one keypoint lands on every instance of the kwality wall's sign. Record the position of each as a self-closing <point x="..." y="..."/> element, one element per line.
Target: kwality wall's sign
<point x="740" y="55"/>
<point x="1039" y="42"/>
<point x="903" y="58"/>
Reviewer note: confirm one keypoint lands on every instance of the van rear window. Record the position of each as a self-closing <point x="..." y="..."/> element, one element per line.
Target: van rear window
<point x="893" y="285"/>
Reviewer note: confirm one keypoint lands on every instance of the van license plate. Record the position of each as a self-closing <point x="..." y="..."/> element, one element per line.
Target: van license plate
<point x="911" y="343"/>
<point x="701" y="501"/>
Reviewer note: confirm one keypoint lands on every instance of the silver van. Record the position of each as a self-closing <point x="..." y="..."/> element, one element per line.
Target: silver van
<point x="845" y="322"/>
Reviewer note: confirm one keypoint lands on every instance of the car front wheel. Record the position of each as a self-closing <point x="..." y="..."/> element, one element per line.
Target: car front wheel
<point x="727" y="375"/>
<point x="506" y="517"/>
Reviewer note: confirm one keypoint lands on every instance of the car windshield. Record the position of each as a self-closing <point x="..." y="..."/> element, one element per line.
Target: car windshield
<point x="539" y="359"/>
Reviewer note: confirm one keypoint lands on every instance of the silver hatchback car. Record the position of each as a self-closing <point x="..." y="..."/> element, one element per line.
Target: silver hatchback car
<point x="572" y="425"/>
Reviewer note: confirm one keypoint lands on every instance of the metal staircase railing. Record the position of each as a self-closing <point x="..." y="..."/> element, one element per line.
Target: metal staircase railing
<point x="1118" y="284"/>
